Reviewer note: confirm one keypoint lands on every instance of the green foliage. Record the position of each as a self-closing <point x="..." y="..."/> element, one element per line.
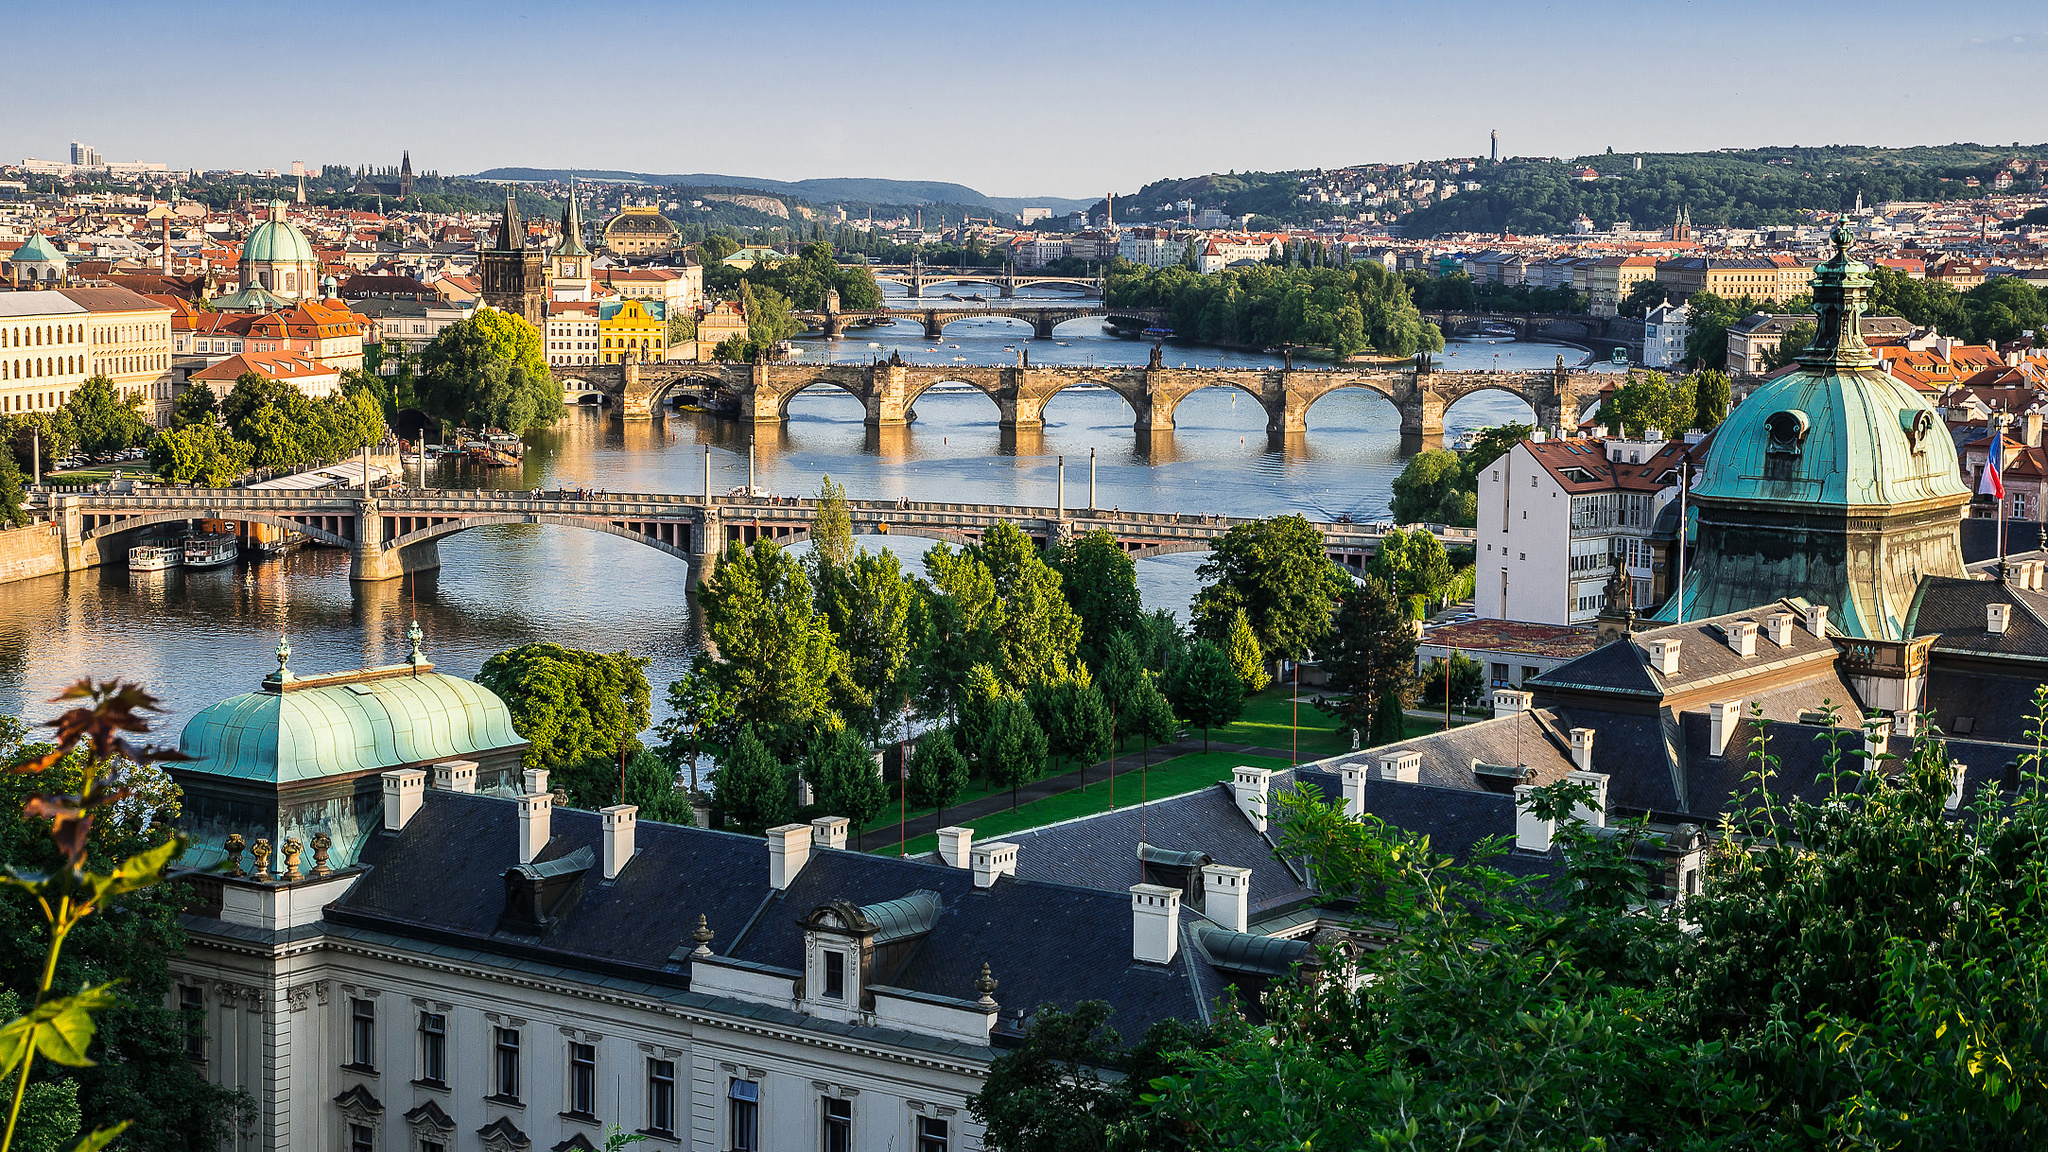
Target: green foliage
<point x="1413" y="564"/>
<point x="1796" y="340"/>
<point x="1712" y="392"/>
<point x="252" y="391"/>
<point x="13" y="492"/>
<point x="24" y="430"/>
<point x="750" y="788"/>
<point x="1493" y="443"/>
<point x="105" y="422"/>
<point x="200" y="454"/>
<point x="1246" y="657"/>
<point x="1074" y="718"/>
<point x="1458" y="292"/>
<point x="1204" y="689"/>
<point x="1013" y="747"/>
<point x="804" y="281"/>
<point x="831" y="536"/>
<point x="1926" y="303"/>
<point x="1370" y="660"/>
<point x="1346" y="309"/>
<point x="1999" y="309"/>
<point x="1433" y="488"/>
<point x="1278" y="572"/>
<point x="1642" y="296"/>
<point x="1464" y="679"/>
<point x="868" y="607"/>
<point x="1008" y="604"/>
<point x="580" y="712"/>
<point x="1708" y="317"/>
<point x="698" y="712"/>
<point x="844" y="781"/>
<point x="488" y="371"/>
<point x="1073" y="1085"/>
<point x="777" y="660"/>
<point x="1100" y="581"/>
<point x="195" y="405"/>
<point x="937" y="772"/>
<point x="1649" y="400"/>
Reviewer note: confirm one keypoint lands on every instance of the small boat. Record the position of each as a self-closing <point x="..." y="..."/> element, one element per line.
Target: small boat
<point x="1618" y="356"/>
<point x="211" y="549"/>
<point x="1465" y="442"/>
<point x="155" y="556"/>
<point x="284" y="545"/>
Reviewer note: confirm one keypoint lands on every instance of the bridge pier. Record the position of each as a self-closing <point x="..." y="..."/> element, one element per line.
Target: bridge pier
<point x="370" y="560"/>
<point x="1422" y="421"/>
<point x="934" y="326"/>
<point x="636" y="399"/>
<point x="887" y="400"/>
<point x="1042" y="326"/>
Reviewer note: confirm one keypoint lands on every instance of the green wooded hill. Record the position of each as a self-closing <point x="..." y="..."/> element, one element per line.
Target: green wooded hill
<point x="1744" y="188"/>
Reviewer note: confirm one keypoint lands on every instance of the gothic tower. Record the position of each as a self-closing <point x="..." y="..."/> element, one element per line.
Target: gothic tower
<point x="404" y="175"/>
<point x="514" y="272"/>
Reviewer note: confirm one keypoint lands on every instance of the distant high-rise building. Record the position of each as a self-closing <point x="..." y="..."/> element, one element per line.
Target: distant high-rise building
<point x="84" y="155"/>
<point x="1496" y="145"/>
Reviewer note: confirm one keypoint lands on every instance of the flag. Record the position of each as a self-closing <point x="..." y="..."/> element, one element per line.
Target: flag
<point x="1992" y="482"/>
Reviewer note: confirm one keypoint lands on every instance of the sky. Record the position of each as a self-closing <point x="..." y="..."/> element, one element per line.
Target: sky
<point x="1048" y="98"/>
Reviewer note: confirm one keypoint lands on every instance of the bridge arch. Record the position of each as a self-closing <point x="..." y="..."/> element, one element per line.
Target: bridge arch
<point x="1166" y="404"/>
<point x="915" y="389"/>
<point x="665" y="391"/>
<point x="859" y="397"/>
<point x="435" y="532"/>
<point x="1134" y="399"/>
<point x="145" y="519"/>
<point x="1452" y="398"/>
<point x="1309" y="400"/>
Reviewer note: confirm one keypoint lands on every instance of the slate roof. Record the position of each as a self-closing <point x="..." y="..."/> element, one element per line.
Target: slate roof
<point x="1720" y="782"/>
<point x="1954" y="610"/>
<point x="1704" y="657"/>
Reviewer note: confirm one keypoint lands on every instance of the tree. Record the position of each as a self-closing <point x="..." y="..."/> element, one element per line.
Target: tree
<point x="49" y="432"/>
<point x="1707" y="319"/>
<point x="106" y="422"/>
<point x="1642" y="296"/>
<point x="195" y="405"/>
<point x="831" y="537"/>
<point x="12" y="491"/>
<point x="1100" y="581"/>
<point x="776" y="655"/>
<point x="1009" y="603"/>
<point x="1075" y="720"/>
<point x="1790" y="348"/>
<point x="1204" y="689"/>
<point x="579" y="712"/>
<point x="844" y="781"/>
<point x="868" y="608"/>
<point x="698" y="712"/>
<point x="2001" y="308"/>
<point x="1413" y="564"/>
<point x="488" y="371"/>
<point x="1712" y="392"/>
<point x="1118" y="680"/>
<point x="1491" y="444"/>
<point x="251" y="392"/>
<point x="1013" y="747"/>
<point x="1433" y="489"/>
<point x="1466" y="680"/>
<point x="1246" y="659"/>
<point x="1152" y="720"/>
<point x="749" y="787"/>
<point x="1279" y="572"/>
<point x="277" y="440"/>
<point x="1073" y="1085"/>
<point x="936" y="774"/>
<point x="1649" y="400"/>
<point x="200" y="454"/>
<point x="1371" y="660"/>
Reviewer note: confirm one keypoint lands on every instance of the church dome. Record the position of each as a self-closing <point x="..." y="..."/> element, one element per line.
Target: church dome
<point x="277" y="241"/>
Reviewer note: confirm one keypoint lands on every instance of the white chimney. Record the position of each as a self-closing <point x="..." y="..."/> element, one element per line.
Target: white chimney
<point x="829" y="831"/>
<point x="1582" y="749"/>
<point x="1817" y="620"/>
<point x="1877" y="736"/>
<point x="1741" y="636"/>
<point x="404" y="788"/>
<point x="789" y="849"/>
<point x="993" y="859"/>
<point x="455" y="776"/>
<point x="1155" y="923"/>
<point x="1778" y="626"/>
<point x="536" y="780"/>
<point x="1906" y="722"/>
<point x="954" y="845"/>
<point x="1721" y="718"/>
<point x="1227" y="895"/>
<point x="1248" y="786"/>
<point x="1594" y="814"/>
<point x="619" y="822"/>
<point x="1353" y="776"/>
<point x="1996" y="618"/>
<point x="1531" y="834"/>
<point x="1404" y="766"/>
<point x="1508" y="701"/>
<point x="1664" y="656"/>
<point x="1955" y="785"/>
<point x="536" y="824"/>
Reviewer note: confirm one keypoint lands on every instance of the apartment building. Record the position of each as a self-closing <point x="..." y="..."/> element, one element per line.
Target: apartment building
<point x="44" y="351"/>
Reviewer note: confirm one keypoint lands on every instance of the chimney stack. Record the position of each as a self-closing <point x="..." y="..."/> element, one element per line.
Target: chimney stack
<point x="1227" y="895"/>
<point x="619" y="823"/>
<point x="829" y="831"/>
<point x="1508" y="701"/>
<point x="536" y="780"/>
<point x="1531" y="833"/>
<point x="1741" y="636"/>
<point x="1155" y="923"/>
<point x="1404" y="766"/>
<point x="1248" y="786"/>
<point x="536" y="820"/>
<point x="1817" y="620"/>
<point x="1721" y="718"/>
<point x="404" y="788"/>
<point x="954" y="846"/>
<point x="1594" y="814"/>
<point x="1582" y="749"/>
<point x="1353" y="777"/>
<point x="1778" y="626"/>
<point x="1955" y="786"/>
<point x="789" y="849"/>
<point x="1996" y="618"/>
<point x="1877" y="736"/>
<point x="455" y="776"/>
<point x="1664" y="656"/>
<point x="991" y="860"/>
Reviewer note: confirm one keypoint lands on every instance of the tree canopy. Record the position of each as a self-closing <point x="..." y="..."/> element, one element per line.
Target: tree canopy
<point x="1346" y="309"/>
<point x="104" y="422"/>
<point x="777" y="658"/>
<point x="579" y="711"/>
<point x="1101" y="583"/>
<point x="489" y="371"/>
<point x="1278" y="572"/>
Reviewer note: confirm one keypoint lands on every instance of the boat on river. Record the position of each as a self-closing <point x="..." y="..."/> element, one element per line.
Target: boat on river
<point x="284" y="545"/>
<point x="211" y="550"/>
<point x="155" y="556"/>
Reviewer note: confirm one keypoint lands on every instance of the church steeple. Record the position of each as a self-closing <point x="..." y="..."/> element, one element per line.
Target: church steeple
<point x="1841" y="293"/>
<point x="572" y="227"/>
<point x="511" y="230"/>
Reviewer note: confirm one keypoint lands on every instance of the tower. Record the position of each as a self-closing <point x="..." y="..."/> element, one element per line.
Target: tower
<point x="404" y="176"/>
<point x="1496" y="145"/>
<point x="514" y="272"/>
<point x="569" y="266"/>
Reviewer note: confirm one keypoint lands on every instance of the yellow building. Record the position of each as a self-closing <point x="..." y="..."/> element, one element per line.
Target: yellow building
<point x="632" y="330"/>
<point x="639" y="231"/>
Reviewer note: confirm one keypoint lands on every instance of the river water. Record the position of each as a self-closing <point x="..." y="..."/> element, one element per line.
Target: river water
<point x="197" y="637"/>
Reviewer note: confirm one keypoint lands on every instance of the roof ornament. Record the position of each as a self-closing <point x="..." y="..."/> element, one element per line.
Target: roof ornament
<point x="415" y="635"/>
<point x="986" y="985"/>
<point x="283" y="675"/>
<point x="702" y="935"/>
<point x="1841" y="294"/>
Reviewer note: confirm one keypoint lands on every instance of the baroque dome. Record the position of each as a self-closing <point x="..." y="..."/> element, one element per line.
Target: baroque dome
<point x="277" y="241"/>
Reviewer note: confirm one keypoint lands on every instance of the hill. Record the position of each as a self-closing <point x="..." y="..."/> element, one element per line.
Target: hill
<point x="854" y="190"/>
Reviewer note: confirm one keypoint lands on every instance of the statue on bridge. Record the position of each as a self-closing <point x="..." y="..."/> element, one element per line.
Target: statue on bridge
<point x="1154" y="362"/>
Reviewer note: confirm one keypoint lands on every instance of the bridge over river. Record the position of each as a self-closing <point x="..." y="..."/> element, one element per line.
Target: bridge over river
<point x="888" y="390"/>
<point x="390" y="532"/>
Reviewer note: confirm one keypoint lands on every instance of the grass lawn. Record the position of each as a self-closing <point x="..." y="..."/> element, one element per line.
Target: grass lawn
<point x="975" y="790"/>
<point x="1166" y="778"/>
<point x="137" y="470"/>
<point x="1269" y="719"/>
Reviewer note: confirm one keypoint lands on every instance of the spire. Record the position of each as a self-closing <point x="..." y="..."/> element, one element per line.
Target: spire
<point x="1841" y="292"/>
<point x="405" y="163"/>
<point x="572" y="227"/>
<point x="415" y="635"/>
<point x="511" y="232"/>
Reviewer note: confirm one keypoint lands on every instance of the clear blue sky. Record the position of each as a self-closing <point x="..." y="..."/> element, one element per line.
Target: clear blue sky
<point x="1022" y="99"/>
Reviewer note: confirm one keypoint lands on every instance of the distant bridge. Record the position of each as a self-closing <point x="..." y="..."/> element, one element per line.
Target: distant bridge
<point x="916" y="277"/>
<point x="887" y="390"/>
<point x="1042" y="320"/>
<point x="395" y="531"/>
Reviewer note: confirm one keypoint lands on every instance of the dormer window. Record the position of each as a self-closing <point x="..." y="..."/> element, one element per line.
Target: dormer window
<point x="835" y="975"/>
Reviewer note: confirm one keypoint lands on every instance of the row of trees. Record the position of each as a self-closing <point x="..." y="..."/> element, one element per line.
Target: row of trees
<point x="1345" y="309"/>
<point x="1458" y="292"/>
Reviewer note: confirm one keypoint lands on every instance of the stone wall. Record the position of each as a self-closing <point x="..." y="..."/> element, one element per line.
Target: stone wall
<point x="26" y="553"/>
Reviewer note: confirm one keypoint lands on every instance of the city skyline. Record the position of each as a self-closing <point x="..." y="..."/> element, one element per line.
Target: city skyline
<point x="883" y="97"/>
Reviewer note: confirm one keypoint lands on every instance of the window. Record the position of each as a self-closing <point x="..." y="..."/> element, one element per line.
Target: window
<point x="661" y="1096"/>
<point x="835" y="975"/>
<point x="838" y="1133"/>
<point x="192" y="1010"/>
<point x="362" y="1033"/>
<point x="433" y="1048"/>
<point x="582" y="1079"/>
<point x="361" y="1138"/>
<point x="505" y="1064"/>
<point x="931" y="1134"/>
<point x="745" y="1098"/>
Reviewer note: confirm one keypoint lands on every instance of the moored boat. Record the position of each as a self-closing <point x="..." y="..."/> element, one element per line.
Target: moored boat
<point x="155" y="556"/>
<point x="210" y="549"/>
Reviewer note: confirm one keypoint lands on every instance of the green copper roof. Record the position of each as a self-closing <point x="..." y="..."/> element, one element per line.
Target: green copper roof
<point x="36" y="248"/>
<point x="333" y="726"/>
<point x="277" y="241"/>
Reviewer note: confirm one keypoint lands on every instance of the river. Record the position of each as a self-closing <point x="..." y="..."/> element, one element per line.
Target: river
<point x="197" y="637"/>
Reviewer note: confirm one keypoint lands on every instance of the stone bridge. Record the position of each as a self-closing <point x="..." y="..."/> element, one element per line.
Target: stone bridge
<point x="1042" y="320"/>
<point x="888" y="390"/>
<point x="915" y="277"/>
<point x="390" y="532"/>
<point x="1569" y="328"/>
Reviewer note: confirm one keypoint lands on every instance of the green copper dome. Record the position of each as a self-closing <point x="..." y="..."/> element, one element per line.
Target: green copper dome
<point x="302" y="730"/>
<point x="277" y="241"/>
<point x="37" y="249"/>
